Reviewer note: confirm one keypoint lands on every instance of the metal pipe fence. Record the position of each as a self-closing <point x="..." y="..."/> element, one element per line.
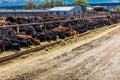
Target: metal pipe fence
<point x="83" y="16"/>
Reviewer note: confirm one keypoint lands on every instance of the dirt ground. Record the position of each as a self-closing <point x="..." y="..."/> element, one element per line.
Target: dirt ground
<point x="97" y="58"/>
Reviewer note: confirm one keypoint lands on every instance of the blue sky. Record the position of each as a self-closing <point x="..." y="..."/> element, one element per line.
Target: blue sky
<point x="20" y="2"/>
<point x="103" y="1"/>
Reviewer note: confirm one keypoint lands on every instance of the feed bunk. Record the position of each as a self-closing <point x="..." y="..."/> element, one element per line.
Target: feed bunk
<point x="14" y="37"/>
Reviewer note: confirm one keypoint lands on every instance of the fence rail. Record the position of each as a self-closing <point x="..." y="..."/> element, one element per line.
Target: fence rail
<point x="82" y="16"/>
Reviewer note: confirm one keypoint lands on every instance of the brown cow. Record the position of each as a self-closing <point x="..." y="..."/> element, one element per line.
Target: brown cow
<point x="70" y="31"/>
<point x="54" y="19"/>
<point x="60" y="28"/>
<point x="35" y="41"/>
<point x="90" y="20"/>
<point x="3" y="22"/>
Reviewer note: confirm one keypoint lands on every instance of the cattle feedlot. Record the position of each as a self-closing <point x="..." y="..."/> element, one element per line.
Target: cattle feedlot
<point x="52" y="48"/>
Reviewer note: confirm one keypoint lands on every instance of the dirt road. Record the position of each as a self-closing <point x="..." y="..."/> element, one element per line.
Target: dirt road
<point x="95" y="60"/>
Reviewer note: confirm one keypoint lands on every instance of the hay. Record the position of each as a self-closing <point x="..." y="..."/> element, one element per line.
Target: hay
<point x="65" y="42"/>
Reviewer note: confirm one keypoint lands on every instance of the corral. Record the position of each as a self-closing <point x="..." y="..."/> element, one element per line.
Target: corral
<point x="22" y="32"/>
<point x="44" y="33"/>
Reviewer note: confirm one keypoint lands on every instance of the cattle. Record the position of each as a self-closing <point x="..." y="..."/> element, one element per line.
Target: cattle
<point x="100" y="8"/>
<point x="4" y="22"/>
<point x="23" y="42"/>
<point x="19" y="20"/>
<point x="52" y="18"/>
<point x="34" y="35"/>
<point x="12" y="45"/>
<point x="27" y="37"/>
<point x="9" y="44"/>
<point x="38" y="28"/>
<point x="69" y="31"/>
<point x="90" y="24"/>
<point x="11" y="19"/>
<point x="43" y="36"/>
<point x="29" y="30"/>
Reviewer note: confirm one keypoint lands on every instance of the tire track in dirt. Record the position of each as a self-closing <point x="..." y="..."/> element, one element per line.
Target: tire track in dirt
<point x="81" y="69"/>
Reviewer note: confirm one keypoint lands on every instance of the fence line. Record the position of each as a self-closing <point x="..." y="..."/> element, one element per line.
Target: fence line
<point x="83" y="15"/>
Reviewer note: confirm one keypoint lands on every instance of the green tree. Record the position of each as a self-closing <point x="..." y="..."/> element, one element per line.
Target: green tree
<point x="51" y="3"/>
<point x="80" y="2"/>
<point x="57" y="3"/>
<point x="117" y="8"/>
<point x="30" y="5"/>
<point x="44" y="5"/>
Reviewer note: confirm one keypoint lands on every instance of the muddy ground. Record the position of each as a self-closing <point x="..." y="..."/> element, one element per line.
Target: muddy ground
<point x="97" y="59"/>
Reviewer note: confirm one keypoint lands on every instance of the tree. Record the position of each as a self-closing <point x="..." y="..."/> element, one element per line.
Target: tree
<point x="57" y="3"/>
<point x="44" y="5"/>
<point x="51" y="3"/>
<point x="30" y="5"/>
<point x="117" y="8"/>
<point x="80" y="2"/>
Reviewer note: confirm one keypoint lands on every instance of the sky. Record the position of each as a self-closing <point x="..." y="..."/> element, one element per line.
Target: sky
<point x="20" y="2"/>
<point x="102" y="1"/>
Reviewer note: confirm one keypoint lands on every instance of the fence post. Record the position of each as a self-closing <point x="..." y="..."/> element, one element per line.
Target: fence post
<point x="3" y="40"/>
<point x="18" y="28"/>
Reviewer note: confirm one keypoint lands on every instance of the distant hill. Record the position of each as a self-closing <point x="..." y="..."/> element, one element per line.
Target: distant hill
<point x="12" y="7"/>
<point x="109" y="5"/>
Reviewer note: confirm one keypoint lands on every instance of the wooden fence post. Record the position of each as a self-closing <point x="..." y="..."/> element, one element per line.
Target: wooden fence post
<point x="18" y="28"/>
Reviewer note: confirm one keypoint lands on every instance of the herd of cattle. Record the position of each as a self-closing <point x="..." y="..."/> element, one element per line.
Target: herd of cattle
<point x="34" y="35"/>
